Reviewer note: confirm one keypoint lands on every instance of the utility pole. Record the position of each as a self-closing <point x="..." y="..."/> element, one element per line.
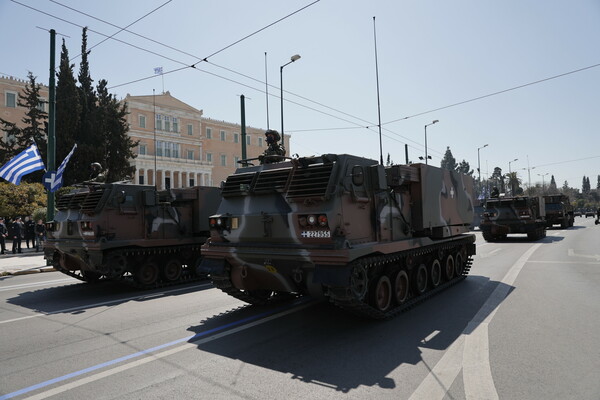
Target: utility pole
<point x="51" y="123"/>
<point x="243" y="111"/>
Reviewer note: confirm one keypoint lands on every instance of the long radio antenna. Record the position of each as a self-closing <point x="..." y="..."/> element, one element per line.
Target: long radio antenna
<point x="267" y="90"/>
<point x="378" y="103"/>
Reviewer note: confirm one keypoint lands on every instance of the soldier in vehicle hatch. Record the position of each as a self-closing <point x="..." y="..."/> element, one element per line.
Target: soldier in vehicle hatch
<point x="495" y="192"/>
<point x="275" y="151"/>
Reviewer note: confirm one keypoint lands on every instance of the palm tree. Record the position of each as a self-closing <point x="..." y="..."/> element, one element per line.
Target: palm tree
<point x="514" y="183"/>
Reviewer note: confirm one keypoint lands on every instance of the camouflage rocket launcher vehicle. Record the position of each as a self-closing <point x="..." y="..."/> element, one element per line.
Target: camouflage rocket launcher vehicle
<point x="374" y="240"/>
<point x="130" y="232"/>
<point x="508" y="215"/>
<point x="559" y="211"/>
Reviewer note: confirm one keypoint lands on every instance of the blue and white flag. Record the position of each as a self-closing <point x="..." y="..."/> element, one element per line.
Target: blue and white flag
<point x="26" y="162"/>
<point x="158" y="70"/>
<point x="58" y="178"/>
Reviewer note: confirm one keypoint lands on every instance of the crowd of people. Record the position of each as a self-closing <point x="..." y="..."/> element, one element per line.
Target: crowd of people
<point x="17" y="230"/>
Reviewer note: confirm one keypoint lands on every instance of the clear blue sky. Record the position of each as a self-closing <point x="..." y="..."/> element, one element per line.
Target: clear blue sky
<point x="432" y="54"/>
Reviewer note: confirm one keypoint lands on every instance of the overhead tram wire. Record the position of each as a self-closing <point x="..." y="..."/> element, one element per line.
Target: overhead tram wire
<point x="205" y="59"/>
<point x="494" y="94"/>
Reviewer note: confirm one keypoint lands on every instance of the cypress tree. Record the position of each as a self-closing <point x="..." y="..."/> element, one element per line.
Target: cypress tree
<point x="68" y="111"/>
<point x="117" y="144"/>
<point x="449" y="162"/>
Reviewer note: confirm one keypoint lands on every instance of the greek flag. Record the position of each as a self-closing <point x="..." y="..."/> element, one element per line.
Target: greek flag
<point x="58" y="178"/>
<point x="158" y="70"/>
<point x="26" y="162"/>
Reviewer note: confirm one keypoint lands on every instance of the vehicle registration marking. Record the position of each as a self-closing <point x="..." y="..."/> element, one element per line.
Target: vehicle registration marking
<point x="316" y="234"/>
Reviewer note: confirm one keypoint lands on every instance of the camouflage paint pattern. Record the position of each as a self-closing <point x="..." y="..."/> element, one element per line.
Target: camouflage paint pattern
<point x="559" y="210"/>
<point x="97" y="220"/>
<point x="507" y="215"/>
<point x="294" y="225"/>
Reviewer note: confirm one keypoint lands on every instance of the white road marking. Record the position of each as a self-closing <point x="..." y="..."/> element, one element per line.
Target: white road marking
<point x="104" y="303"/>
<point x="163" y="354"/>
<point x="36" y="284"/>
<point x="470" y="351"/>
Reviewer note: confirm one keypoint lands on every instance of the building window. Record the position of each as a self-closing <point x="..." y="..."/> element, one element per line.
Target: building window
<point x="248" y="140"/>
<point x="191" y="182"/>
<point x="168" y="147"/>
<point x="190" y="154"/>
<point x="236" y="138"/>
<point x="143" y="150"/>
<point x="236" y="161"/>
<point x="159" y="148"/>
<point x="208" y="133"/>
<point x="142" y="121"/>
<point x="11" y="99"/>
<point x="223" y="160"/>
<point x="175" y="150"/>
<point x="167" y="124"/>
<point x="141" y="179"/>
<point x="260" y="142"/>
<point x="190" y="129"/>
<point x="175" y="125"/>
<point x="209" y="157"/>
<point x="159" y="122"/>
<point x="222" y="136"/>
<point x="42" y="105"/>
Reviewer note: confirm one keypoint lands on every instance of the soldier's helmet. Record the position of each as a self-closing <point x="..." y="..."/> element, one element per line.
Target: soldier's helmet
<point x="272" y="136"/>
<point x="96" y="167"/>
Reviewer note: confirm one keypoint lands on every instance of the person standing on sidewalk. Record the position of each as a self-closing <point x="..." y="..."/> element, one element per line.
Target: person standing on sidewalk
<point x="40" y="235"/>
<point x="17" y="233"/>
<point x="29" y="231"/>
<point x="3" y="235"/>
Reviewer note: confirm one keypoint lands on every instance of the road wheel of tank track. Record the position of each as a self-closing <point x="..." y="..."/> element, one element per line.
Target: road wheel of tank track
<point x="420" y="279"/>
<point x="381" y="295"/>
<point x="436" y="273"/>
<point x="449" y="267"/>
<point x="91" y="276"/>
<point x="401" y="287"/>
<point x="359" y="281"/>
<point x="459" y="263"/>
<point x="146" y="274"/>
<point x="172" y="270"/>
<point x="116" y="265"/>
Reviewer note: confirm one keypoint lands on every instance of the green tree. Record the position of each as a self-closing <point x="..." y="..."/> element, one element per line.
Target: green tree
<point x="465" y="168"/>
<point x="498" y="179"/>
<point x="118" y="145"/>
<point x="552" y="189"/>
<point x="514" y="183"/>
<point x="449" y="162"/>
<point x="21" y="200"/>
<point x="68" y="112"/>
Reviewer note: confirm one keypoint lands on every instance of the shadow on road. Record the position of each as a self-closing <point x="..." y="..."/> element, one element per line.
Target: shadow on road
<point x="83" y="296"/>
<point x="323" y="345"/>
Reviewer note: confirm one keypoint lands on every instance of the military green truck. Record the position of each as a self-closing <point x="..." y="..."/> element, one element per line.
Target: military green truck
<point x="510" y="215"/>
<point x="374" y="240"/>
<point x="559" y="211"/>
<point x="132" y="233"/>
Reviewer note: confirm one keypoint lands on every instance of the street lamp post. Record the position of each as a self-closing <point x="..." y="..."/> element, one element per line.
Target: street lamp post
<point x="516" y="159"/>
<point x="479" y="164"/>
<point x="435" y="121"/>
<point x="295" y="57"/>
<point x="543" y="184"/>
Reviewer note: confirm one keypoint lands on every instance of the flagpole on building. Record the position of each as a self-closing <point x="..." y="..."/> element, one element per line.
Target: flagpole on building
<point x="51" y="123"/>
<point x="155" y="172"/>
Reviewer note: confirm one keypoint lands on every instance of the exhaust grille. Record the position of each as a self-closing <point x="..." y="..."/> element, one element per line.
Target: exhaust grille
<point x="272" y="180"/>
<point x="237" y="184"/>
<point x="312" y="181"/>
<point x="86" y="201"/>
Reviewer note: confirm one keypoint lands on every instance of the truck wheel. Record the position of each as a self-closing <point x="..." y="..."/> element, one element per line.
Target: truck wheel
<point x="401" y="287"/>
<point x="381" y="295"/>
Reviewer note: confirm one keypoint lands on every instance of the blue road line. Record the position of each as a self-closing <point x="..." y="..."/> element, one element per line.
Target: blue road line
<point x="150" y="350"/>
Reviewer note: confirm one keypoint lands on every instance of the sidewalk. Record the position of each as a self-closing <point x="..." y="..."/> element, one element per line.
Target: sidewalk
<point x="27" y="262"/>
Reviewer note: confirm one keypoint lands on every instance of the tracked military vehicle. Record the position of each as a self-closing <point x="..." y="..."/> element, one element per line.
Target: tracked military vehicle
<point x="509" y="215"/>
<point x="130" y="232"/>
<point x="374" y="240"/>
<point x="559" y="211"/>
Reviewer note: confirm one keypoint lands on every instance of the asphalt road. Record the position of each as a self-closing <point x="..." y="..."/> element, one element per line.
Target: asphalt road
<point x="523" y="325"/>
